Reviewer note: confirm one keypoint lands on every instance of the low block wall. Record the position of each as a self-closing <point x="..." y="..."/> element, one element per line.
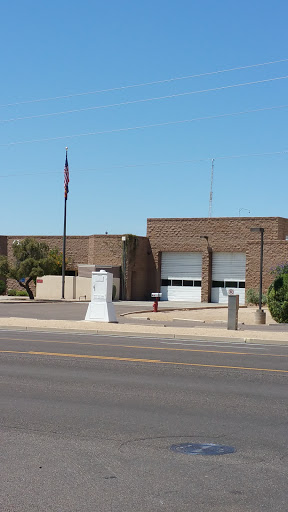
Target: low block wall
<point x="50" y="287"/>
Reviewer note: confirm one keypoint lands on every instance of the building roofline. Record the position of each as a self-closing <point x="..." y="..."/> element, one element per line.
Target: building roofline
<point x="213" y="218"/>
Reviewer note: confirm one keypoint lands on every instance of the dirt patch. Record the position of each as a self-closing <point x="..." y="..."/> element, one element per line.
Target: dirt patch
<point x="207" y="315"/>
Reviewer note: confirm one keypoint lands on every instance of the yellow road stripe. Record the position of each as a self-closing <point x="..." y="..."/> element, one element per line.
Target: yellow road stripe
<point x="32" y="353"/>
<point x="147" y="348"/>
<point x="157" y="361"/>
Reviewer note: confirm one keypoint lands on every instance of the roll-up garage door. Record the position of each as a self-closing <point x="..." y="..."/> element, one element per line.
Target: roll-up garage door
<point x="228" y="273"/>
<point x="181" y="274"/>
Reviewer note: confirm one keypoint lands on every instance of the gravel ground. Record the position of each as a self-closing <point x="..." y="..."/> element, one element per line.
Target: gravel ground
<point x="246" y="315"/>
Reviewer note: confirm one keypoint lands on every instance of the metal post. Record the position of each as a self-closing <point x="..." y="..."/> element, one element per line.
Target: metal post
<point x="233" y="307"/>
<point x="261" y="267"/>
<point x="64" y="251"/>
<point x="260" y="315"/>
<point x="123" y="281"/>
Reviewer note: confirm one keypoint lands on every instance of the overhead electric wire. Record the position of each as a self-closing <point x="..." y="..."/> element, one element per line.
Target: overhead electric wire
<point x="141" y="127"/>
<point x="143" y="100"/>
<point x="144" y="84"/>
<point x="152" y="164"/>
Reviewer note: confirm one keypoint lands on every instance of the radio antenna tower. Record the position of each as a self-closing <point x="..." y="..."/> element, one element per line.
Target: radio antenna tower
<point x="211" y="188"/>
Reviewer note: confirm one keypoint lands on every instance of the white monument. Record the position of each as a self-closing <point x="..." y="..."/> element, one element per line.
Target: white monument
<point x="101" y="308"/>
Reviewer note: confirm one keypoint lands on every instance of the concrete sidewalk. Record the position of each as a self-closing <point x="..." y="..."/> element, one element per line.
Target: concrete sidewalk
<point x="194" y="321"/>
<point x="151" y="331"/>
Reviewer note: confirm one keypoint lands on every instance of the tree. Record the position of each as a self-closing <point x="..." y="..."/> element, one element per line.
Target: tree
<point x="32" y="259"/>
<point x="278" y="298"/>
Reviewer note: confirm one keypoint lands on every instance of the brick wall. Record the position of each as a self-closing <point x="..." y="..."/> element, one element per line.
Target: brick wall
<point x="105" y="250"/>
<point x="274" y="253"/>
<point x="283" y="229"/>
<point x="76" y="247"/>
<point x="3" y="251"/>
<point x="140" y="268"/>
<point x="231" y="233"/>
<point x="141" y="279"/>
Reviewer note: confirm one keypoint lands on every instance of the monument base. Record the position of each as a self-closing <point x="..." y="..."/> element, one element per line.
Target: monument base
<point x="101" y="312"/>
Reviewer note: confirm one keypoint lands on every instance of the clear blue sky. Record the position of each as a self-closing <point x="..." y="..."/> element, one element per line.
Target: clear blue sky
<point x="62" y="48"/>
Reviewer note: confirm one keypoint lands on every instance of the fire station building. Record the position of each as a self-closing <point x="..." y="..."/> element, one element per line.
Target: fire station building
<point x="193" y="259"/>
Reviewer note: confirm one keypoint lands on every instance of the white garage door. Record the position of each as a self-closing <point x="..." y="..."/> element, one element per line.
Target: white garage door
<point x="228" y="273"/>
<point x="181" y="274"/>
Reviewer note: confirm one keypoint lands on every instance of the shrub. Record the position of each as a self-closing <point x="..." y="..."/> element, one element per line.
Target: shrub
<point x="21" y="293"/>
<point x="17" y="293"/>
<point x="252" y="297"/>
<point x="278" y="299"/>
<point x="2" y="287"/>
<point x="280" y="269"/>
<point x="12" y="293"/>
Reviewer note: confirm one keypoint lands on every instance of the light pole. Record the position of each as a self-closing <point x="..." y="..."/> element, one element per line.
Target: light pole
<point x="123" y="273"/>
<point x="260" y="315"/>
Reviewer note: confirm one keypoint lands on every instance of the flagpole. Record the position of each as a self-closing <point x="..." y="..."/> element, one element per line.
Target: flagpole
<point x="64" y="231"/>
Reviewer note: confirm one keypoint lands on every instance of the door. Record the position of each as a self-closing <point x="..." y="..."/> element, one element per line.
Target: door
<point x="228" y="273"/>
<point x="181" y="274"/>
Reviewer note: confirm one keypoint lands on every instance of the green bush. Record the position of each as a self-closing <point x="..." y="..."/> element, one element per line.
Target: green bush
<point x="17" y="293"/>
<point x="278" y="299"/>
<point x="12" y="293"/>
<point x="252" y="297"/>
<point x="21" y="293"/>
<point x="2" y="287"/>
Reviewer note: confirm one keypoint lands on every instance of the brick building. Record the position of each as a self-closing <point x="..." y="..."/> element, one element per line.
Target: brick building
<point x="186" y="259"/>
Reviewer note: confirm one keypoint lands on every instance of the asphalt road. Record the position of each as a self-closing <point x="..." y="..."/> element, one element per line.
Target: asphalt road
<point x="87" y="423"/>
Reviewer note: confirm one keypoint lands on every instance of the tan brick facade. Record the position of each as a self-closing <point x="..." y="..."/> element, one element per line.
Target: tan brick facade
<point x="143" y="261"/>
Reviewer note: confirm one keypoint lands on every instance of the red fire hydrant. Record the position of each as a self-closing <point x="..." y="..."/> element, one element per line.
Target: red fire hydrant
<point x="155" y="305"/>
<point x="156" y="297"/>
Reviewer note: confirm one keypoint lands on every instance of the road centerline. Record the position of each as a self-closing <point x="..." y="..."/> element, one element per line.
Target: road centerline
<point x="126" y="359"/>
<point x="141" y="347"/>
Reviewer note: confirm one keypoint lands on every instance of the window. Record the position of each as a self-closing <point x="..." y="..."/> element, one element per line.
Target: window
<point x="242" y="284"/>
<point x="188" y="283"/>
<point x="231" y="284"/>
<point x="176" y="282"/>
<point x="217" y="284"/>
<point x="166" y="282"/>
<point x="197" y="283"/>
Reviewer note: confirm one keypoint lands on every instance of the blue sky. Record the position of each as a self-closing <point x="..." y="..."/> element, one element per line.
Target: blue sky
<point x="119" y="178"/>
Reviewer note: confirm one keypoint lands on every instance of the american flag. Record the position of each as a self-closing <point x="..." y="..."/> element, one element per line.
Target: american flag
<point x="66" y="177"/>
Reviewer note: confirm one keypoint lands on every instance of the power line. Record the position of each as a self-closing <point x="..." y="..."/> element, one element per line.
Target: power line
<point x="144" y="84"/>
<point x="152" y="164"/>
<point x="143" y="100"/>
<point x="141" y="127"/>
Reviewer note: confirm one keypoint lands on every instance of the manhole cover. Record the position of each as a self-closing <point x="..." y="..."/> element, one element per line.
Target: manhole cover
<point x="202" y="449"/>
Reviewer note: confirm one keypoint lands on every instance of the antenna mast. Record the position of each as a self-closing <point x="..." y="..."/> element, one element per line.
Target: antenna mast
<point x="211" y="189"/>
